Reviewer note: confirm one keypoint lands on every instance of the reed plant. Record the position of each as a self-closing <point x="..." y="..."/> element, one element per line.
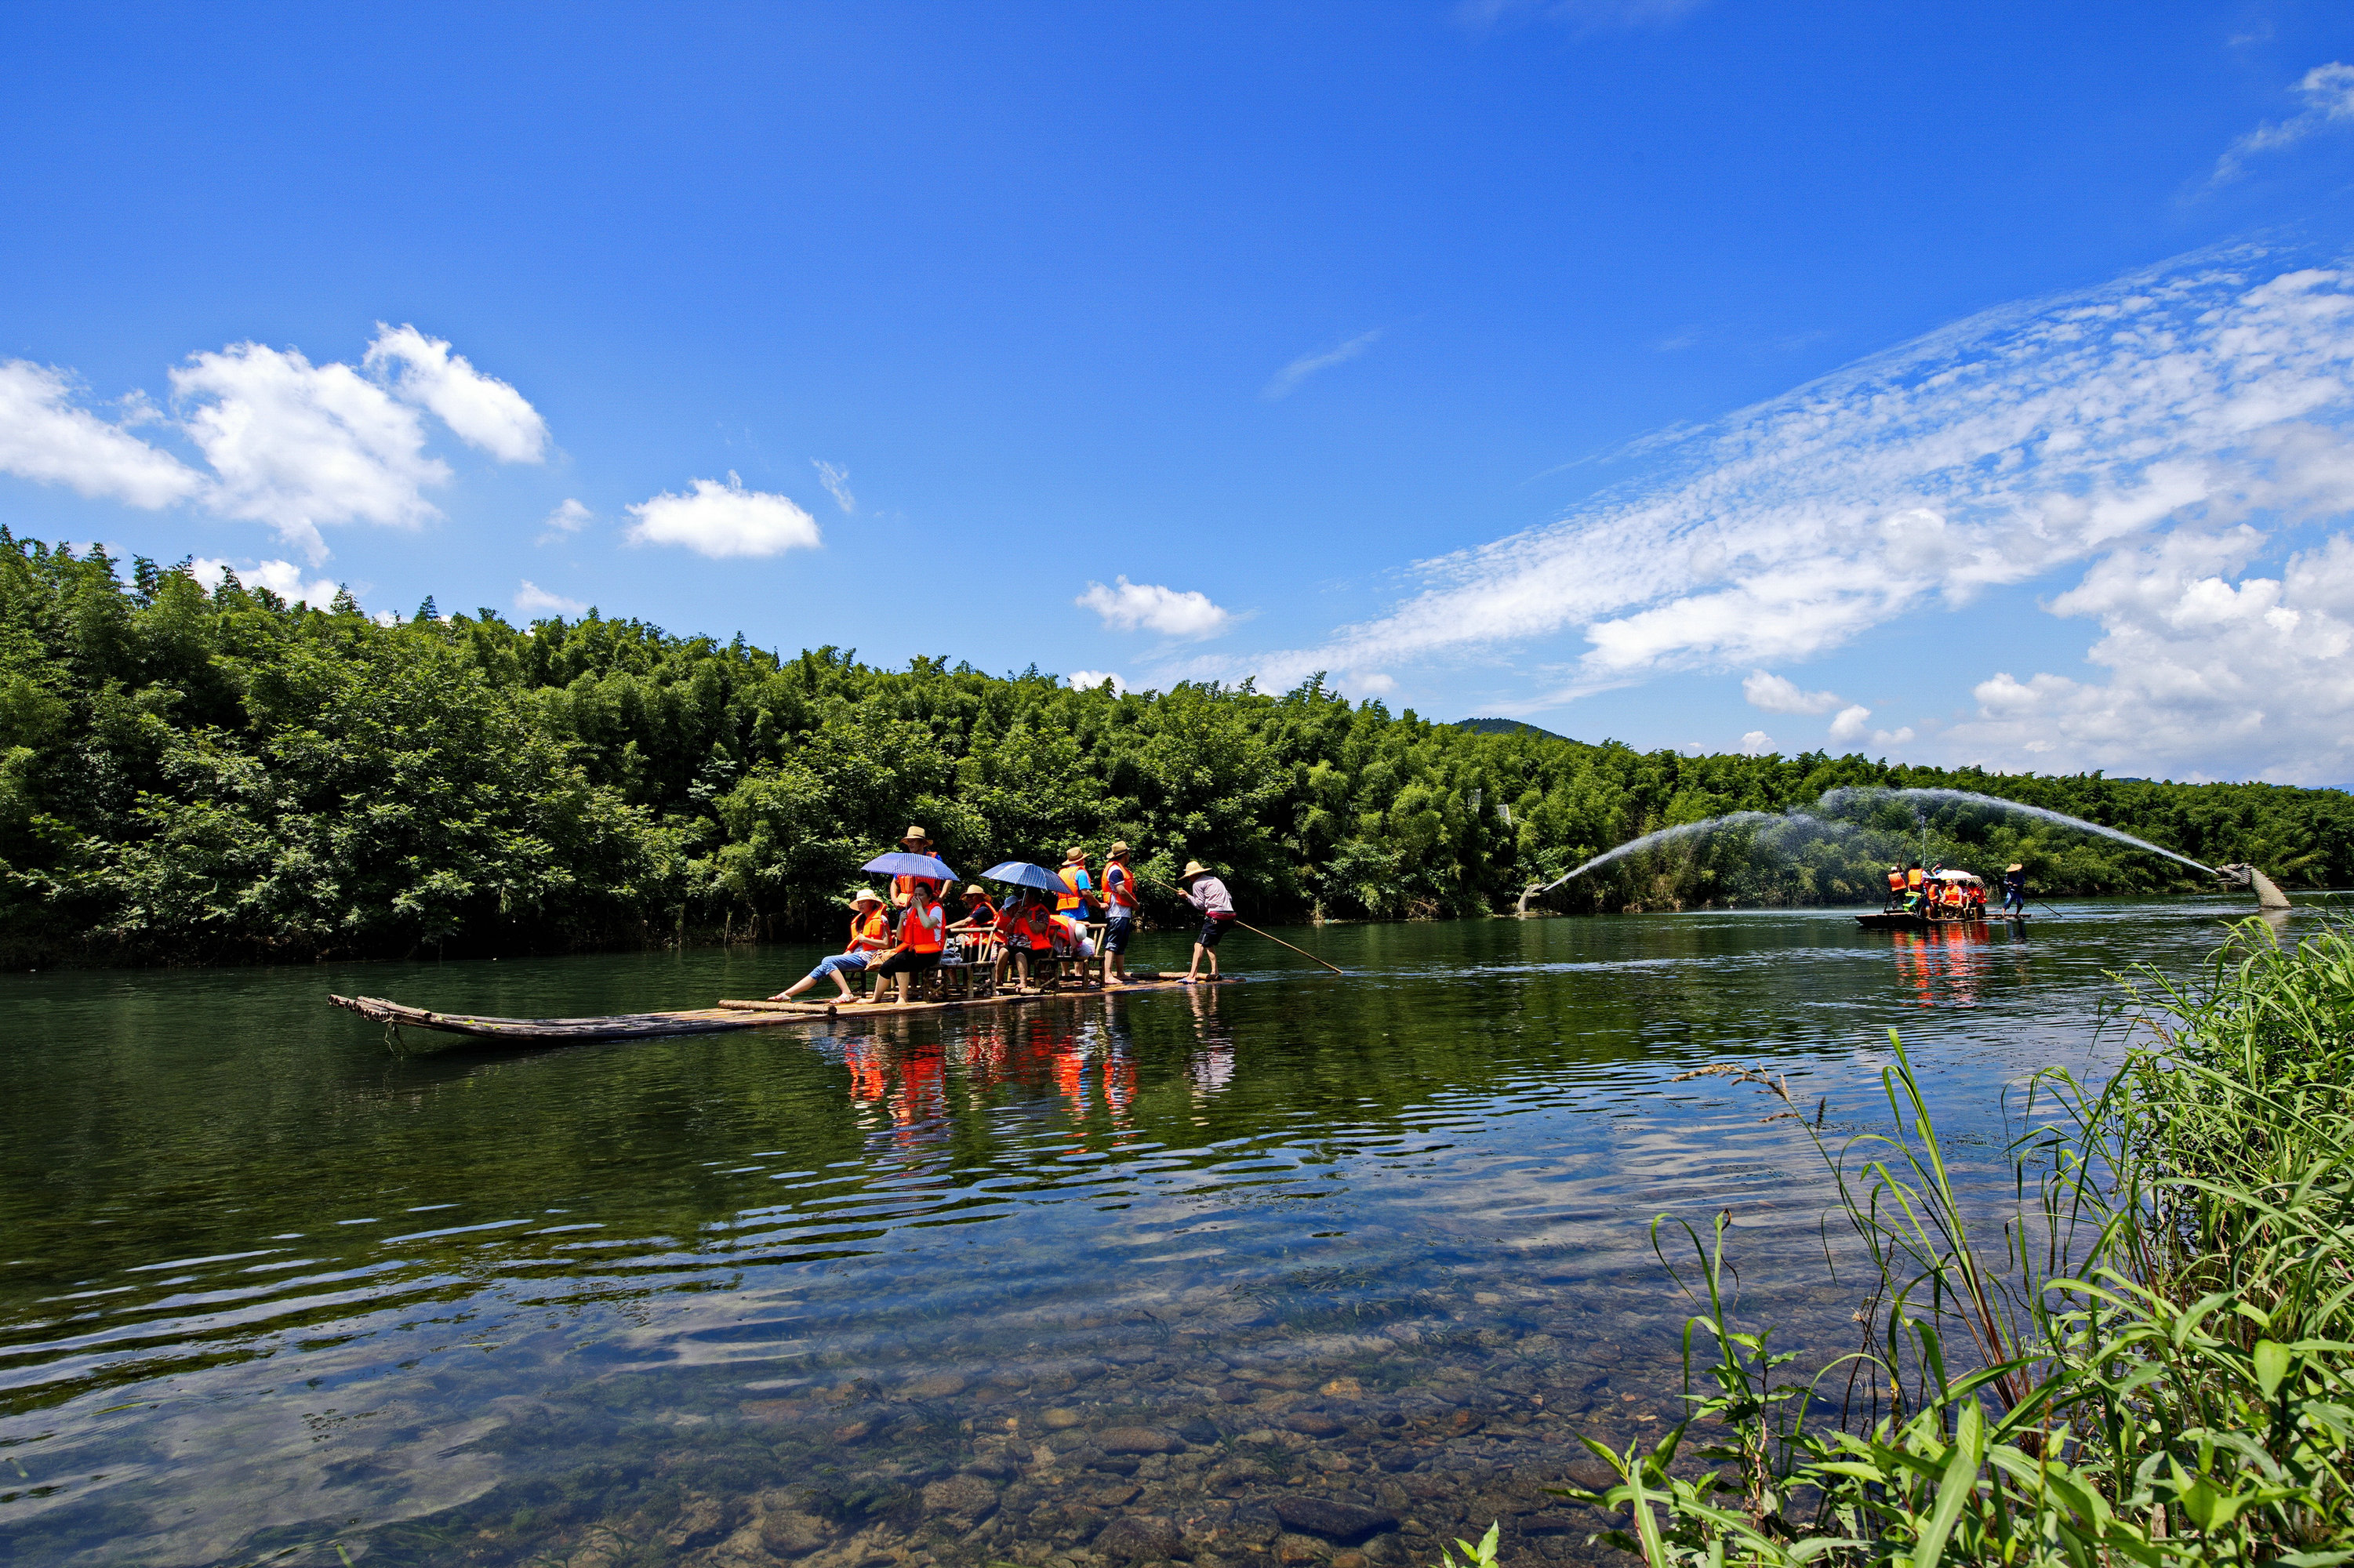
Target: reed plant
<point x="2152" y="1363"/>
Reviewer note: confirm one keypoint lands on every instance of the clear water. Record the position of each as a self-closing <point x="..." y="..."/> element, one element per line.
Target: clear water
<point x="1356" y="1255"/>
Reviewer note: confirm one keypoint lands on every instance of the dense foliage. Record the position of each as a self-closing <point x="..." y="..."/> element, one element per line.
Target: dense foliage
<point x="190" y="774"/>
<point x="2153" y="1364"/>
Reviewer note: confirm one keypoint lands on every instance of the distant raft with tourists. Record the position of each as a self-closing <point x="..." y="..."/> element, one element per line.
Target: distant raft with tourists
<point x="1920" y="897"/>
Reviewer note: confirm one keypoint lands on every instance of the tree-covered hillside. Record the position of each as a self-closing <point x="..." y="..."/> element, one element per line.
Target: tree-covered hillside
<point x="195" y="775"/>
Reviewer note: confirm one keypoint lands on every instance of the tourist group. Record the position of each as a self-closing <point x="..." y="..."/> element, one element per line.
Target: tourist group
<point x="1053" y="929"/>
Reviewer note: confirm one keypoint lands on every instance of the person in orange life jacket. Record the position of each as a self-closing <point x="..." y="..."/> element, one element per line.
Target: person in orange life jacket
<point x="923" y="932"/>
<point x="1120" y="911"/>
<point x="1895" y="885"/>
<point x="1071" y="938"/>
<point x="980" y="915"/>
<point x="1207" y="894"/>
<point x="1029" y="927"/>
<point x="1913" y="885"/>
<point x="915" y="841"/>
<point x="870" y="933"/>
<point x="1081" y="894"/>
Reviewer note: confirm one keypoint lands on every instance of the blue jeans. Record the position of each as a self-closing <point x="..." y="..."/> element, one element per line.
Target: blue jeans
<point x="841" y="963"/>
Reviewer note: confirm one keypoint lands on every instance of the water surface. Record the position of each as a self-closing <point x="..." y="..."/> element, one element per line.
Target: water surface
<point x="1294" y="1270"/>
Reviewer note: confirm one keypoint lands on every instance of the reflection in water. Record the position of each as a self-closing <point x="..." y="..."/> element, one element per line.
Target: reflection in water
<point x="1136" y="1277"/>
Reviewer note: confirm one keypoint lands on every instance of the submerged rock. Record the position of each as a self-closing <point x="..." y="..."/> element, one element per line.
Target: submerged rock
<point x="1345" y="1522"/>
<point x="1135" y="1440"/>
<point x="964" y="1499"/>
<point x="1143" y="1535"/>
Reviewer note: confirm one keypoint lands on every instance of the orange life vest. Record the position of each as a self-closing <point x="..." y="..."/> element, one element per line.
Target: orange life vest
<point x="875" y="929"/>
<point x="1119" y="892"/>
<point x="1913" y="880"/>
<point x="1896" y="882"/>
<point x="1038" y="924"/>
<point x="916" y="935"/>
<point x="1072" y="876"/>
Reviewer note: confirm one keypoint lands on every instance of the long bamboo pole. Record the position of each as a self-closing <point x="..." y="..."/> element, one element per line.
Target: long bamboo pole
<point x="1253" y="929"/>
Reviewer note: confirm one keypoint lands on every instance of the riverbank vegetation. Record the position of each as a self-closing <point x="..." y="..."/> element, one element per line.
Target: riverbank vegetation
<point x="195" y="774"/>
<point x="2153" y="1363"/>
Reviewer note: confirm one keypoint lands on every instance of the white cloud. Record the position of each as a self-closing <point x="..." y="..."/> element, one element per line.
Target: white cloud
<point x="723" y="519"/>
<point x="1126" y="605"/>
<point x="1364" y="683"/>
<point x="296" y="445"/>
<point x="1778" y="695"/>
<point x="836" y="479"/>
<point x="2329" y="94"/>
<point x="533" y="600"/>
<point x="1757" y="743"/>
<point x="2080" y="432"/>
<point x="283" y="579"/>
<point x="1850" y="721"/>
<point x="1287" y="380"/>
<point x="291" y="444"/>
<point x="2213" y="673"/>
<point x="46" y="439"/>
<point x="1088" y="680"/>
<point x="482" y="410"/>
<point x="568" y="519"/>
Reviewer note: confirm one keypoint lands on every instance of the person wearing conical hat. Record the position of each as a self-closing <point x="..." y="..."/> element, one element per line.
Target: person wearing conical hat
<point x="1078" y="890"/>
<point x="1119" y="913"/>
<point x="2014" y="889"/>
<point x="870" y="933"/>
<point x="1198" y="887"/>
<point x="915" y="841"/>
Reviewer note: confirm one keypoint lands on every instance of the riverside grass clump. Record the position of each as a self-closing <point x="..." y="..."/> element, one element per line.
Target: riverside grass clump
<point x="2153" y="1363"/>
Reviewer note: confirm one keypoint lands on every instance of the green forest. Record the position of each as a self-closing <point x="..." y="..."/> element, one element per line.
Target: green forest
<point x="191" y="775"/>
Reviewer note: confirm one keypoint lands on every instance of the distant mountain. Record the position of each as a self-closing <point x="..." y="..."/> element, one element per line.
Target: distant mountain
<point x="1506" y="726"/>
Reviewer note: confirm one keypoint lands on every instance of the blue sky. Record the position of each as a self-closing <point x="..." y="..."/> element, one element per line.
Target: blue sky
<point x="1965" y="385"/>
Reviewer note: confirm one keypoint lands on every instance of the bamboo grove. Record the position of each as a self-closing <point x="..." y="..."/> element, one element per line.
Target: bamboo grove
<point x="193" y="774"/>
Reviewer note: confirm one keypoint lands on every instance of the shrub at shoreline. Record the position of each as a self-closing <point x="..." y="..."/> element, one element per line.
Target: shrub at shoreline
<point x="2155" y="1365"/>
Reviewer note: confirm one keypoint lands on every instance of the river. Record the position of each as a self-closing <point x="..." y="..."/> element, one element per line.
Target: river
<point x="1302" y="1269"/>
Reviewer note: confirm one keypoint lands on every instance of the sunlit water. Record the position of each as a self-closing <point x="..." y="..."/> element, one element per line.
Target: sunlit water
<point x="1284" y="1271"/>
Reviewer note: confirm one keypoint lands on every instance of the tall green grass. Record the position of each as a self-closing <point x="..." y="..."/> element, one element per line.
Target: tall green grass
<point x="2152" y="1363"/>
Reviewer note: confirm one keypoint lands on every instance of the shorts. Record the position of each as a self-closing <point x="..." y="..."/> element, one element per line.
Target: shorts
<point x="841" y="963"/>
<point x="906" y="963"/>
<point x="1117" y="931"/>
<point x="1212" y="929"/>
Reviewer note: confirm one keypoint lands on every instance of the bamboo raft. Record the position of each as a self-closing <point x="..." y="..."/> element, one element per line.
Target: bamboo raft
<point x="1906" y="920"/>
<point x="721" y="1017"/>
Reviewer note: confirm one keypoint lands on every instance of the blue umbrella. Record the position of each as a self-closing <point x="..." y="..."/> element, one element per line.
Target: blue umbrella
<point x="900" y="863"/>
<point x="1021" y="874"/>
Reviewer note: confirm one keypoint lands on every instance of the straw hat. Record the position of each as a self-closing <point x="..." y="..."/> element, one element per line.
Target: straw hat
<point x="2014" y="866"/>
<point x="864" y="896"/>
<point x="1074" y="856"/>
<point x="1193" y="868"/>
<point x="975" y="890"/>
<point x="1118" y="848"/>
<point x="915" y="836"/>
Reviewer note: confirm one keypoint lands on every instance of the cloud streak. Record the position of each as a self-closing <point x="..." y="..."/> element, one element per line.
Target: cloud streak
<point x="2203" y="395"/>
<point x="2329" y="94"/>
<point x="1287" y="380"/>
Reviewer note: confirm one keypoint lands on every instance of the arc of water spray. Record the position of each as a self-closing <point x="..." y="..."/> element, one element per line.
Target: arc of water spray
<point x="1835" y="800"/>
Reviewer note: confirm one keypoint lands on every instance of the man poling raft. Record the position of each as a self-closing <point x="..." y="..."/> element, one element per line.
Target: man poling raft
<point x="1217" y="907"/>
